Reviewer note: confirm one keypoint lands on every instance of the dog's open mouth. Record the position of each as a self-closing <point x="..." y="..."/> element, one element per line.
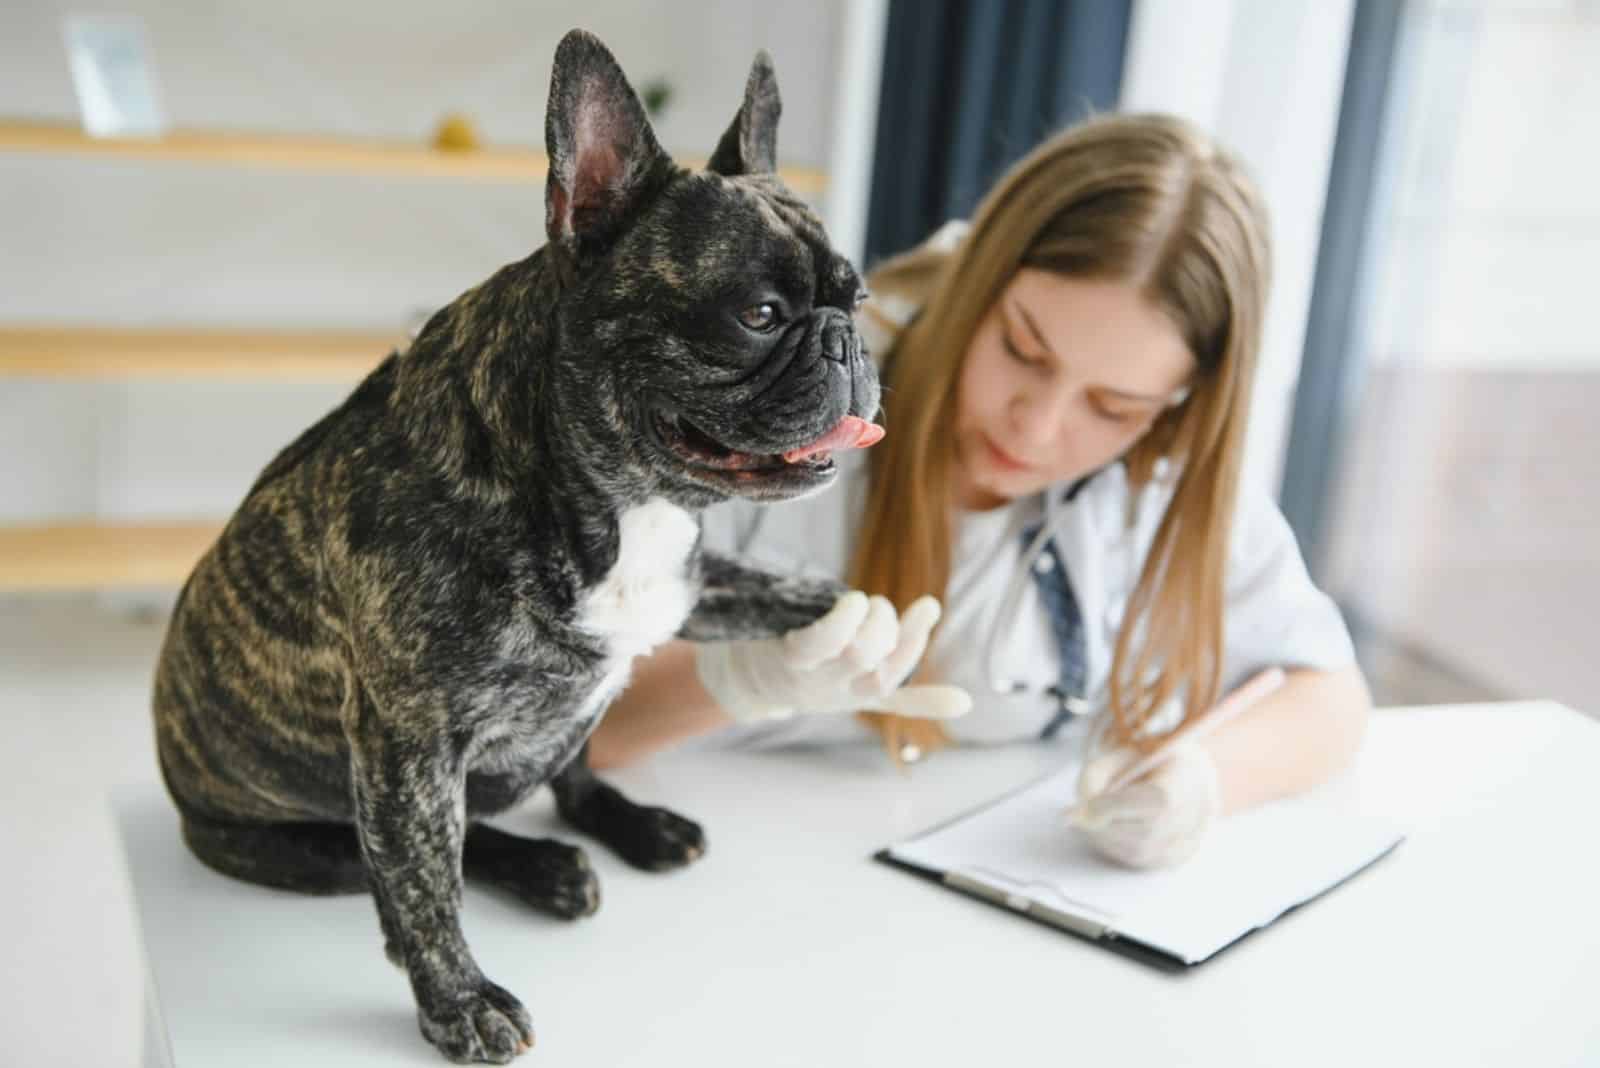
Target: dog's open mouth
<point x="699" y="448"/>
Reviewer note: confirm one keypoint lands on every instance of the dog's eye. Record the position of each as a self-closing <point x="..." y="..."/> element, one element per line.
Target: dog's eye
<point x="760" y="317"/>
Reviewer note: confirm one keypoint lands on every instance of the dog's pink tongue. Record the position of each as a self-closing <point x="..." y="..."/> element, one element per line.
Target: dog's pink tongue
<point x="851" y="432"/>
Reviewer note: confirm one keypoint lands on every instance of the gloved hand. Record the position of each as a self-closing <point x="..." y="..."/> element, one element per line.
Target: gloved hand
<point x="853" y="658"/>
<point x="1156" y="821"/>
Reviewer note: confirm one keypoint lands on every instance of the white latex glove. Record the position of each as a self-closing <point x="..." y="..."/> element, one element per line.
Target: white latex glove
<point x="854" y="658"/>
<point x="1156" y="821"/>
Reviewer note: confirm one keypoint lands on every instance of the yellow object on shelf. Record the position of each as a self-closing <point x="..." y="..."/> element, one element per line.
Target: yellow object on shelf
<point x="457" y="134"/>
<point x="317" y="154"/>
<point x="113" y="353"/>
<point x="77" y="556"/>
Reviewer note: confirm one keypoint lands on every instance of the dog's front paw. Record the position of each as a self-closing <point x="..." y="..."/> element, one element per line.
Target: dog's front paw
<point x="563" y="886"/>
<point x="643" y="835"/>
<point x="483" y="1023"/>
<point x="656" y="839"/>
<point x="551" y="876"/>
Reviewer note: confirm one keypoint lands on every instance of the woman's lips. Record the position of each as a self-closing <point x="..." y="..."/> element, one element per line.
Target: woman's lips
<point x="1002" y="459"/>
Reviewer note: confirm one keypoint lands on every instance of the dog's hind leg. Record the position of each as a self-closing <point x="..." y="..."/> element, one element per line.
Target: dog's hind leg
<point x="311" y="858"/>
<point x="644" y="836"/>
<point x="551" y="876"/>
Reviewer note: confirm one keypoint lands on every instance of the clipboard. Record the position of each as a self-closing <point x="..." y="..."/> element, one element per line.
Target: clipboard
<point x="1079" y="927"/>
<point x="1358" y="845"/>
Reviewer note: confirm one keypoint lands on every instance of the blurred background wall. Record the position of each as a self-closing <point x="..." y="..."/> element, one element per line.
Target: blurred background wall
<point x="1463" y="524"/>
<point x="112" y="242"/>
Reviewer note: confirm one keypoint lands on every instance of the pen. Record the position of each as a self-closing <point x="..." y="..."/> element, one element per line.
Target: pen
<point x="1260" y="686"/>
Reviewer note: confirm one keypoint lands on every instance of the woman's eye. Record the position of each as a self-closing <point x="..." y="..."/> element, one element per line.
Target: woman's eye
<point x="1113" y="416"/>
<point x="760" y="317"/>
<point x="1016" y="353"/>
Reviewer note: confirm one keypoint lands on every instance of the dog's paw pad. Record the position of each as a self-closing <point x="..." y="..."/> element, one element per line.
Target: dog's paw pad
<point x="556" y="878"/>
<point x="572" y="894"/>
<point x="487" y="1024"/>
<point x="658" y="840"/>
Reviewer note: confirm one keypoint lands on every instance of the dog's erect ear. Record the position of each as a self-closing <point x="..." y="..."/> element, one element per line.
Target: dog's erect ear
<point x="603" y="155"/>
<point x="751" y="144"/>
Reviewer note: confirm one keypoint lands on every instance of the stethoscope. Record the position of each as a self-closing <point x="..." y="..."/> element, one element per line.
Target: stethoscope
<point x="1071" y="706"/>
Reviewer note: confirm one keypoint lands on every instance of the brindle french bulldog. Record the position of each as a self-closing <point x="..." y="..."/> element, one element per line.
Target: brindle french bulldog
<point x="427" y="600"/>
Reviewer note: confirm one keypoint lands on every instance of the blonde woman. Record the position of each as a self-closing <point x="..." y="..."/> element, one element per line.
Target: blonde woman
<point x="1067" y="387"/>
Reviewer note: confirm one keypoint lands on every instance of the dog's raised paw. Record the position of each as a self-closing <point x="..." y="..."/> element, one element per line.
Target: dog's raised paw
<point x="483" y="1024"/>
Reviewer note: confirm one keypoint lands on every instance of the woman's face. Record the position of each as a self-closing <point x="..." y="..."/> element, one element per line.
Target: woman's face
<point x="1062" y="376"/>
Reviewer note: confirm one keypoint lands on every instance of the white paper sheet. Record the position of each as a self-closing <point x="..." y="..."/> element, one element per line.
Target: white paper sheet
<point x="1252" y="868"/>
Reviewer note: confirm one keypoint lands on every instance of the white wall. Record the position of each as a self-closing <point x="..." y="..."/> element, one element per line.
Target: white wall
<point x="855" y="121"/>
<point x="1265" y="77"/>
<point x="111" y="242"/>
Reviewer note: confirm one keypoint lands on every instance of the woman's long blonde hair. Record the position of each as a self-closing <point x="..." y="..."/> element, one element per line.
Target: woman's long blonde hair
<point x="1143" y="199"/>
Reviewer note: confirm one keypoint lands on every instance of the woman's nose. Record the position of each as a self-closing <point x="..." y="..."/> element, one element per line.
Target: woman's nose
<point x="1038" y="416"/>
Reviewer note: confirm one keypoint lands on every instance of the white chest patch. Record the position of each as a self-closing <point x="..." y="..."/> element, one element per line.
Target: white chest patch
<point x="646" y="595"/>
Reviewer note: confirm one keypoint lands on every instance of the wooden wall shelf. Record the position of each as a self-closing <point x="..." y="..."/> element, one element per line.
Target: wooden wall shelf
<point x="65" y="557"/>
<point x="89" y="555"/>
<point x="316" y="154"/>
<point x="105" y="353"/>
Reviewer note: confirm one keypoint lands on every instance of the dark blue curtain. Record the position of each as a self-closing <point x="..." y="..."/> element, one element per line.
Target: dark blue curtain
<point x="1331" y="367"/>
<point x="969" y="86"/>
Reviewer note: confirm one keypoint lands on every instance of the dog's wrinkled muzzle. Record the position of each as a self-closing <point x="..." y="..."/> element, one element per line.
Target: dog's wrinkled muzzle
<point x="813" y="398"/>
<point x="839" y="341"/>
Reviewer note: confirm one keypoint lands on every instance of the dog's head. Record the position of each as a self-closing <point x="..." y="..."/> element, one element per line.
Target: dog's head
<point x="714" y="316"/>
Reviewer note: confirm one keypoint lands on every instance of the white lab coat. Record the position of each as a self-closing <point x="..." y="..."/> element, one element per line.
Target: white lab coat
<point x="1273" y="613"/>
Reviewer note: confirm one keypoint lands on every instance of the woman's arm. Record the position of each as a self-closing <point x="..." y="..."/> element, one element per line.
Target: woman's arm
<point x="1298" y="737"/>
<point x="664" y="703"/>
